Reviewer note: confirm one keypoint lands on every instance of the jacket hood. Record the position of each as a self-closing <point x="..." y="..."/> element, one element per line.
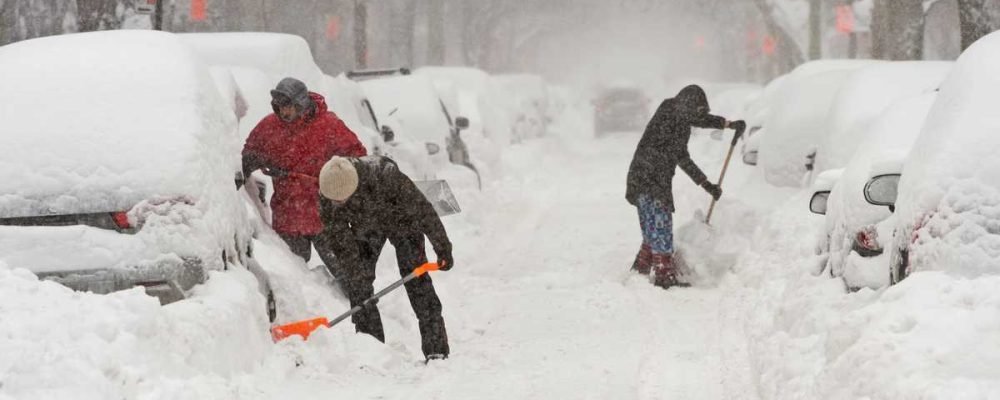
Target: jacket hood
<point x="691" y="98"/>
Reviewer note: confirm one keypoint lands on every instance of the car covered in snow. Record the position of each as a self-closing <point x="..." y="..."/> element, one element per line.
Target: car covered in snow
<point x="854" y="230"/>
<point x="623" y="107"/>
<point x="796" y="119"/>
<point x="119" y="166"/>
<point x="947" y="201"/>
<point x="531" y="104"/>
<point x="411" y="109"/>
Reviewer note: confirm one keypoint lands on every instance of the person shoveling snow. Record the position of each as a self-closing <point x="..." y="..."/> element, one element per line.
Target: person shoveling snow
<point x="661" y="150"/>
<point x="364" y="202"/>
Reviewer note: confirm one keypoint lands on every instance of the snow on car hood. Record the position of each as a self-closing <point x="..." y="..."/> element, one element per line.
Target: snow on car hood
<point x="950" y="189"/>
<point x="100" y="121"/>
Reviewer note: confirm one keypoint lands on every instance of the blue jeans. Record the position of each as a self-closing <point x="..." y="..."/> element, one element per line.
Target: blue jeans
<point x="657" y="225"/>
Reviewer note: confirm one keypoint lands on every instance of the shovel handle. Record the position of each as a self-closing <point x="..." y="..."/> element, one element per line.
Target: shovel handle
<point x="722" y="176"/>
<point x="305" y="327"/>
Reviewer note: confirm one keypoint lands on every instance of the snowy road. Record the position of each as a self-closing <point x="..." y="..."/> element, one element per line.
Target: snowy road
<point x="542" y="305"/>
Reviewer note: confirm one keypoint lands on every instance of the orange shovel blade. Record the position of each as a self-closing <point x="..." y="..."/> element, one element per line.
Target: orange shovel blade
<point x="301" y="328"/>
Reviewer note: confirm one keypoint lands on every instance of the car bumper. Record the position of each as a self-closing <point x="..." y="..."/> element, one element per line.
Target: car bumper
<point x="169" y="281"/>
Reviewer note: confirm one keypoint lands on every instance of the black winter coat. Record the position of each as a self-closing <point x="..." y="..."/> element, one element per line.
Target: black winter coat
<point x="663" y="146"/>
<point x="386" y="204"/>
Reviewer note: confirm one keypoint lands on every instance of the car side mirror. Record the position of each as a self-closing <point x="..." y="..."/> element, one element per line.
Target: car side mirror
<point x="882" y="190"/>
<point x="818" y="202"/>
<point x="388" y="135"/>
<point x="462" y="123"/>
<point x="750" y="157"/>
<point x="432" y="148"/>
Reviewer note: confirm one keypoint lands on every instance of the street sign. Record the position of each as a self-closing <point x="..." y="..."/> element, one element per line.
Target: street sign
<point x="145" y="6"/>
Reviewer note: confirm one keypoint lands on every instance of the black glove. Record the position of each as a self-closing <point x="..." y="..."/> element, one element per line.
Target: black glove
<point x="274" y="172"/>
<point x="712" y="189"/>
<point x="445" y="262"/>
<point x="740" y="126"/>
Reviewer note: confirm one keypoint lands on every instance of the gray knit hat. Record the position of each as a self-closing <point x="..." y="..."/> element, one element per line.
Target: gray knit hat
<point x="294" y="90"/>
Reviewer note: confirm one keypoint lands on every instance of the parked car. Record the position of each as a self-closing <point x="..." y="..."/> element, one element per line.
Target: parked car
<point x="411" y="109"/>
<point x="120" y="164"/>
<point x="854" y="229"/>
<point x="946" y="211"/>
<point x="864" y="97"/>
<point x="621" y="108"/>
<point x="796" y="120"/>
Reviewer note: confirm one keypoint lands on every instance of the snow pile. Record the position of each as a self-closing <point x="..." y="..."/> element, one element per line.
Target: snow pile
<point x="529" y="95"/>
<point x="949" y="193"/>
<point x="278" y="55"/>
<point x="864" y="97"/>
<point x="932" y="336"/>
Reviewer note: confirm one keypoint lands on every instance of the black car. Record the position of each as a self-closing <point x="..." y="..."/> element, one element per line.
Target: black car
<point x="620" y="109"/>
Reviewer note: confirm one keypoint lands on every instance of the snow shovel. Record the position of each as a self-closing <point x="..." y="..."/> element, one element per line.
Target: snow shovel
<point x="306" y="327"/>
<point x="725" y="166"/>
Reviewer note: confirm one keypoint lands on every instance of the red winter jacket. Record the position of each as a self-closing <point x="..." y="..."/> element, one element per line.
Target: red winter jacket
<point x="300" y="148"/>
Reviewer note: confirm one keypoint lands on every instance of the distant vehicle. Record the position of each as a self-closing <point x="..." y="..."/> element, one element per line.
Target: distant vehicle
<point x="621" y="109"/>
<point x="126" y="178"/>
<point x="948" y="194"/>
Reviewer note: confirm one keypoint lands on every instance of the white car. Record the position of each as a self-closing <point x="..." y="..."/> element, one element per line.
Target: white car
<point x="414" y="112"/>
<point x="119" y="166"/>
<point x="854" y="231"/>
<point x="796" y="119"/>
<point x="948" y="201"/>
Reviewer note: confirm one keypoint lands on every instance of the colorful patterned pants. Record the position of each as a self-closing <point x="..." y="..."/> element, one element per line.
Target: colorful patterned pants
<point x="657" y="225"/>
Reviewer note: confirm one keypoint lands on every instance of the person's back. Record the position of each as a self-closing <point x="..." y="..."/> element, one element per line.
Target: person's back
<point x="661" y="150"/>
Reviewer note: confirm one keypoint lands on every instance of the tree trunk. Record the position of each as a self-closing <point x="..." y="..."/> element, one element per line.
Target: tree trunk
<point x="898" y="29"/>
<point x="788" y="54"/>
<point x="974" y="21"/>
<point x="435" y="32"/>
<point x="360" y="34"/>
<point x="815" y="29"/>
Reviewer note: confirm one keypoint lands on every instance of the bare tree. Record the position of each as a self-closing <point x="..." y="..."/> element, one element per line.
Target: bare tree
<point x="974" y="21"/>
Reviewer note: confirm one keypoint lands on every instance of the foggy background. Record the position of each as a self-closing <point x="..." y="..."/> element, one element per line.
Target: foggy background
<point x="577" y="42"/>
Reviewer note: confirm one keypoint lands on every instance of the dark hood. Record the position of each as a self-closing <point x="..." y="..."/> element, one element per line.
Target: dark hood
<point x="690" y="99"/>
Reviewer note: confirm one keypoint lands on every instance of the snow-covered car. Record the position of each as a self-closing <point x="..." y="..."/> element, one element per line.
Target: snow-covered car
<point x="796" y="119"/>
<point x="948" y="201"/>
<point x="864" y="97"/>
<point x="119" y="166"/>
<point x="412" y="110"/>
<point x="530" y="95"/>
<point x="278" y="55"/>
<point x="854" y="229"/>
<point x="621" y="108"/>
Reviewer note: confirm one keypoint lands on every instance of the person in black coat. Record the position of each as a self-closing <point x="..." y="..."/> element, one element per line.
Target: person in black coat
<point x="661" y="150"/>
<point x="364" y="202"/>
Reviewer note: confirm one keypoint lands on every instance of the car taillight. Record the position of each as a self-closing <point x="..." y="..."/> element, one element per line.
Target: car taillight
<point x="121" y="220"/>
<point x="866" y="242"/>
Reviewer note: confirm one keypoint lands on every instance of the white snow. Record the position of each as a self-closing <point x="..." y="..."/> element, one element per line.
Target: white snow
<point x="796" y="118"/>
<point x="278" y="55"/>
<point x="865" y="96"/>
<point x="540" y="305"/>
<point x="949" y="191"/>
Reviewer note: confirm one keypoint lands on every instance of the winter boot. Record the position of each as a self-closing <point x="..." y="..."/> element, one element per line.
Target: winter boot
<point x="665" y="272"/>
<point x="643" y="260"/>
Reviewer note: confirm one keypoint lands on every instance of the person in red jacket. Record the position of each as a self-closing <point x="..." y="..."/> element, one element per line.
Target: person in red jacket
<point x="291" y="146"/>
